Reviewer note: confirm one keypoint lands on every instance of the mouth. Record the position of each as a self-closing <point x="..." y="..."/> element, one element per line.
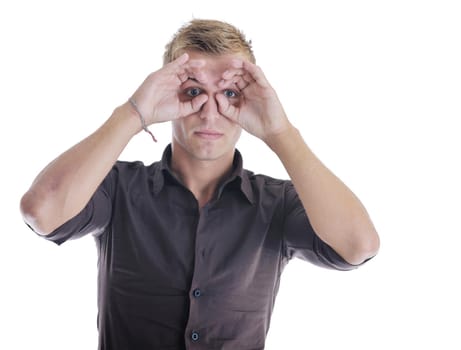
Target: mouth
<point x="208" y="134"/>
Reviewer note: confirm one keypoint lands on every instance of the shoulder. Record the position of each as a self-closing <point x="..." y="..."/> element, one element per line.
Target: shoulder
<point x="131" y="173"/>
<point x="265" y="180"/>
<point x="129" y="165"/>
<point x="267" y="187"/>
<point x="133" y="167"/>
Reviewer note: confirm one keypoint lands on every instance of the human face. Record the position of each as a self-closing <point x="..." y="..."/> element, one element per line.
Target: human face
<point x="207" y="134"/>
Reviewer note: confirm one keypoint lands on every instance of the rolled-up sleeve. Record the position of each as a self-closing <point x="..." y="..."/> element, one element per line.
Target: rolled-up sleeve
<point x="92" y="219"/>
<point x="300" y="239"/>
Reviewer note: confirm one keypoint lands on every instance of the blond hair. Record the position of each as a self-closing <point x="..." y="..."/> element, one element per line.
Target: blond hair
<point x="208" y="37"/>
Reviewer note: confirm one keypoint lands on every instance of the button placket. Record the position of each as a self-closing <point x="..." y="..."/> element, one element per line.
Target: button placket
<point x="197" y="292"/>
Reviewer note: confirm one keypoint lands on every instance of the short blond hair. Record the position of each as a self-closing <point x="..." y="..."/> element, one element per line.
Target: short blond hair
<point x="210" y="37"/>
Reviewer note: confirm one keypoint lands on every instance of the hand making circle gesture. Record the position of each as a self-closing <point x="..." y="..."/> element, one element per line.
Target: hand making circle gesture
<point x="157" y="98"/>
<point x="260" y="113"/>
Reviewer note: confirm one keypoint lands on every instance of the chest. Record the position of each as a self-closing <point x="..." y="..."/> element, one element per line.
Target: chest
<point x="165" y="242"/>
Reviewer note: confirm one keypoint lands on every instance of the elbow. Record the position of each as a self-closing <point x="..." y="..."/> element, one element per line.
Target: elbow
<point x="365" y="247"/>
<point x="33" y="211"/>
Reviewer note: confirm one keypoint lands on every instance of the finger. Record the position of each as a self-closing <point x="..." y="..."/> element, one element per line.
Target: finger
<point x="256" y="73"/>
<point x="248" y="71"/>
<point x="231" y="72"/>
<point x="197" y="73"/>
<point x="191" y="69"/>
<point x="192" y="106"/>
<point x="183" y="67"/>
<point x="179" y="61"/>
<point x="239" y="76"/>
<point x="196" y="63"/>
<point x="231" y="83"/>
<point x="188" y="73"/>
<point x="183" y="76"/>
<point x="177" y="67"/>
<point x="227" y="109"/>
<point x="240" y="81"/>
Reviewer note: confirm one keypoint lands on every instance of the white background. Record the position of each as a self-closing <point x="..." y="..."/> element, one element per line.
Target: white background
<point x="374" y="87"/>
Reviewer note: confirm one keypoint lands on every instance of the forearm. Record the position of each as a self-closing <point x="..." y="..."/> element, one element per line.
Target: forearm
<point x="66" y="185"/>
<point x="336" y="214"/>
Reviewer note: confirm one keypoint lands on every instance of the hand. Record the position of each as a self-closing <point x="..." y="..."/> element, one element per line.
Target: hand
<point x="157" y="98"/>
<point x="260" y="112"/>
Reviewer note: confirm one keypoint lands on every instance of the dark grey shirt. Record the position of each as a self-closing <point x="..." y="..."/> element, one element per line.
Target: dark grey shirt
<point x="172" y="276"/>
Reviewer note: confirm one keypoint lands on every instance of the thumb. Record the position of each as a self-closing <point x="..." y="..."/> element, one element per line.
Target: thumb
<point x="226" y="108"/>
<point x="193" y="105"/>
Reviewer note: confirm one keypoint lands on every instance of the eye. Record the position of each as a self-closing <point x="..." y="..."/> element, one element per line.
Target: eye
<point x="193" y="92"/>
<point x="230" y="93"/>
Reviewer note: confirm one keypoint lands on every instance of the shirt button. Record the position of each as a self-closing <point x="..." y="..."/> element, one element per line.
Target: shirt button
<point x="194" y="336"/>
<point x="197" y="292"/>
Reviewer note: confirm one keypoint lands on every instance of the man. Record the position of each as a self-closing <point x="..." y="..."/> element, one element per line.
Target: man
<point x="191" y="248"/>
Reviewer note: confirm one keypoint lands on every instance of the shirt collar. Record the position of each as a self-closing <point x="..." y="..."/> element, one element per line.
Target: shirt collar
<point x="162" y="170"/>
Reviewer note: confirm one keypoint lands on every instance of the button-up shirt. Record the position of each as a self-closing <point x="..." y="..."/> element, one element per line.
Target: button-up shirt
<point x="173" y="275"/>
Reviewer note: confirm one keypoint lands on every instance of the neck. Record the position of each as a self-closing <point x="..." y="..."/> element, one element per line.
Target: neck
<point x="200" y="176"/>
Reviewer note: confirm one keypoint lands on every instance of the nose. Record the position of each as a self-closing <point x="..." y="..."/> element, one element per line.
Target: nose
<point x="209" y="109"/>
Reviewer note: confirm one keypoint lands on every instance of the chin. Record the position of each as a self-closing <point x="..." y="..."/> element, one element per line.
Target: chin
<point x="204" y="150"/>
<point x="210" y="153"/>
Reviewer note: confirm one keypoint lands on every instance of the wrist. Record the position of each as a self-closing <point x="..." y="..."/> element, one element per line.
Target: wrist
<point x="291" y="149"/>
<point x="282" y="138"/>
<point x="135" y="107"/>
<point x="128" y="117"/>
